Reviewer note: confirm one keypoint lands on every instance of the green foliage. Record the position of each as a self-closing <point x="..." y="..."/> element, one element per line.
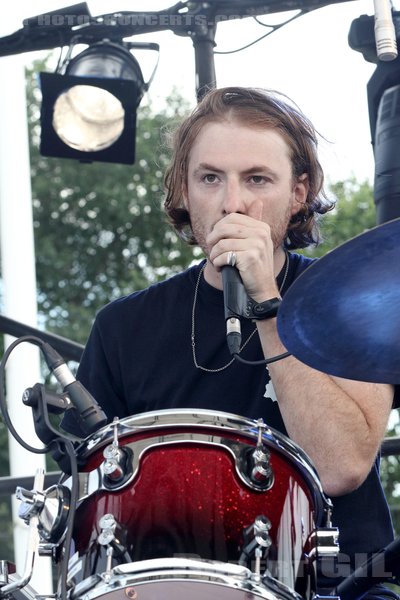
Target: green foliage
<point x="354" y="213"/>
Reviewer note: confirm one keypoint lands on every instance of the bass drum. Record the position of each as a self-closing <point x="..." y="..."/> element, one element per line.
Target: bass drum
<point x="209" y="487"/>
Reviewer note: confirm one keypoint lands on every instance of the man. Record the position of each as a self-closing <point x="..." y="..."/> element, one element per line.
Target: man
<point x="245" y="185"/>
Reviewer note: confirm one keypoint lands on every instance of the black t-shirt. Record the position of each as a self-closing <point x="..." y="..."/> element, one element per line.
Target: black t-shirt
<point x="139" y="358"/>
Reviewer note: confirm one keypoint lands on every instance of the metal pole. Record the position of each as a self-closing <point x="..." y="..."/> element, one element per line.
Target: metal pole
<point x="203" y="44"/>
<point x="19" y="285"/>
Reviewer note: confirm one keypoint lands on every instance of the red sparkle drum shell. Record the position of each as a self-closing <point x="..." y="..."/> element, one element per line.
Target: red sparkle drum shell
<point x="189" y="495"/>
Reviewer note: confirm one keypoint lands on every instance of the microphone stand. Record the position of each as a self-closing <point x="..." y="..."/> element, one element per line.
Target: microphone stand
<point x="42" y="402"/>
<point x="371" y="572"/>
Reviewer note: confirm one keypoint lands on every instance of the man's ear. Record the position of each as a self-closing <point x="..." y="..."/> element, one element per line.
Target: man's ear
<point x="300" y="193"/>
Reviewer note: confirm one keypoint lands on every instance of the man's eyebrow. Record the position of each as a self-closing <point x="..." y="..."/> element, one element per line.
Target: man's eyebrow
<point x="250" y="171"/>
<point x="207" y="167"/>
<point x="258" y="169"/>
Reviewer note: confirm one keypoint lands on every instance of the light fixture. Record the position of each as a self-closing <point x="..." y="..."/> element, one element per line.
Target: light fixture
<point x="89" y="106"/>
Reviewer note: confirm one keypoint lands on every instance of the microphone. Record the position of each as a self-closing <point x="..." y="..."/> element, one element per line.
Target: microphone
<point x="235" y="302"/>
<point x="385" y="34"/>
<point x="91" y="415"/>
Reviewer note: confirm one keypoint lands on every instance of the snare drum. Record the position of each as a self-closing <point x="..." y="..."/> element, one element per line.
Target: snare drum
<point x="228" y="496"/>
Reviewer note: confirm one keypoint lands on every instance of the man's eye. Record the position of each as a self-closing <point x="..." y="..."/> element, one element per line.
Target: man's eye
<point x="258" y="178"/>
<point x="210" y="178"/>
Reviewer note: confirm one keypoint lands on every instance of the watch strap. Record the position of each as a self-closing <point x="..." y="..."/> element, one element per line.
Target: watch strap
<point x="263" y="310"/>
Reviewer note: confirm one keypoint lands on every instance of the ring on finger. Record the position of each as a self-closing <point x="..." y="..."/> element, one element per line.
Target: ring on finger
<point x="231" y="259"/>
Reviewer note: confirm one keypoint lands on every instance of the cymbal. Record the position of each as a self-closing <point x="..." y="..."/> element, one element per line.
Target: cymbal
<point x="342" y="315"/>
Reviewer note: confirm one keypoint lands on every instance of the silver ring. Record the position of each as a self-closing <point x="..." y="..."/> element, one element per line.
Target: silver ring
<point x="231" y="260"/>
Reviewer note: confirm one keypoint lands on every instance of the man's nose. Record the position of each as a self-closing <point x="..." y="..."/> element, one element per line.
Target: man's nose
<point x="234" y="201"/>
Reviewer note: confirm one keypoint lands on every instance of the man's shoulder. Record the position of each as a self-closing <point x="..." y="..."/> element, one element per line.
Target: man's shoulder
<point x="160" y="292"/>
<point x="300" y="262"/>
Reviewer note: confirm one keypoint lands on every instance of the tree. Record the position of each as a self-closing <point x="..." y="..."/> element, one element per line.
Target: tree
<point x="354" y="213"/>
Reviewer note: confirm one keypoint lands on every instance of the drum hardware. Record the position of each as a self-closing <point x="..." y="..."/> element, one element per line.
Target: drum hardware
<point x="255" y="538"/>
<point x="185" y="418"/>
<point x="111" y="535"/>
<point x="257" y="543"/>
<point x="81" y="589"/>
<point x="51" y="507"/>
<point x="324" y="546"/>
<point x="252" y="464"/>
<point x="75" y="565"/>
<point x="116" y="466"/>
<point x="261" y="470"/>
<point x="6" y="569"/>
<point x="32" y="548"/>
<point x="8" y="576"/>
<point x="180" y="578"/>
<point x="324" y="543"/>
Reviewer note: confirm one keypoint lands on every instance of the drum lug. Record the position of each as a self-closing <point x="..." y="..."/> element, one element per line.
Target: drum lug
<point x="117" y="462"/>
<point x="257" y="542"/>
<point x="261" y="470"/>
<point x="111" y="537"/>
<point x="259" y="466"/>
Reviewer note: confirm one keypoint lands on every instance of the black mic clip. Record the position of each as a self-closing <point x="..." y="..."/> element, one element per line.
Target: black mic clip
<point x="89" y="414"/>
<point x="42" y="402"/>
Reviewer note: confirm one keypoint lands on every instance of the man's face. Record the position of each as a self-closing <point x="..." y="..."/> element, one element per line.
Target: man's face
<point x="234" y="168"/>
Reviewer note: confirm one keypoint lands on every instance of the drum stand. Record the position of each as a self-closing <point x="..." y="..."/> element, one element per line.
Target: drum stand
<point x="32" y="519"/>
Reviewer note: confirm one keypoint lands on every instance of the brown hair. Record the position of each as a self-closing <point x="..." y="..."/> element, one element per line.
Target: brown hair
<point x="261" y="109"/>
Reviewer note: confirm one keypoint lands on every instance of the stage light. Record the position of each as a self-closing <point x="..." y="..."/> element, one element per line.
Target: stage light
<point x="89" y="110"/>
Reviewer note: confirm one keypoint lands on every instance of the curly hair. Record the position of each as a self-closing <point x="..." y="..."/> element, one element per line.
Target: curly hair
<point x="260" y="109"/>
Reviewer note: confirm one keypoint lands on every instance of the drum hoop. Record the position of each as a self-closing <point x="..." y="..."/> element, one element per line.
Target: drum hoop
<point x="189" y="570"/>
<point x="200" y="418"/>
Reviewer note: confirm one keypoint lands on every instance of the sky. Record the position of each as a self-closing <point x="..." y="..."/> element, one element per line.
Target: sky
<point x="308" y="59"/>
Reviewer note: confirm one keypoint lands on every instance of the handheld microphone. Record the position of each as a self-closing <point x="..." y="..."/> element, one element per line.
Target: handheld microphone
<point x="385" y="34"/>
<point x="235" y="301"/>
<point x="89" y="411"/>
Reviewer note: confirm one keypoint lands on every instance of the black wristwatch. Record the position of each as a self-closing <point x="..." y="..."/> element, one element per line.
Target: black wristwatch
<point x="263" y="310"/>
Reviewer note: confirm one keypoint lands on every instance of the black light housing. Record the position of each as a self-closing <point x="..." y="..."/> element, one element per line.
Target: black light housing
<point x="383" y="91"/>
<point x="89" y="112"/>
